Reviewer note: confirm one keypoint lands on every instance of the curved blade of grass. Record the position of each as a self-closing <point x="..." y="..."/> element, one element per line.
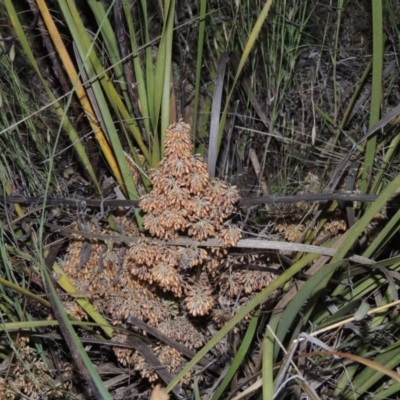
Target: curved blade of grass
<point x="96" y="71"/>
<point x="369" y="214"/>
<point x="268" y="365"/>
<point x="149" y="72"/>
<point x="348" y="294"/>
<point x="18" y="325"/>
<point x="239" y="357"/>
<point x="24" y="292"/>
<point x="166" y="50"/>
<point x="390" y="154"/>
<point x="381" y="310"/>
<point x="346" y="245"/>
<point x="385" y="234"/>
<point x="341" y="314"/>
<point x="290" y="296"/>
<point x="387" y="391"/>
<point x="371" y="282"/>
<point x="363" y="288"/>
<point x="74" y="137"/>
<point x="359" y="227"/>
<point x="384" y="312"/>
<point x="162" y="80"/>
<point x="374" y="366"/>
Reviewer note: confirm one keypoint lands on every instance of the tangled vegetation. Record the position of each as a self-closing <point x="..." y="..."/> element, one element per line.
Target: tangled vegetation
<point x="199" y="197"/>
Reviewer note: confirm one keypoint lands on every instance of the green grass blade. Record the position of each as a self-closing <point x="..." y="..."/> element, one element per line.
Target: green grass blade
<point x="376" y="98"/>
<point x="149" y="71"/>
<point x="268" y="365"/>
<point x="363" y="381"/>
<point x="162" y="80"/>
<point x="166" y="44"/>
<point x="141" y="84"/>
<point x="239" y="357"/>
<point x="387" y="391"/>
<point x="95" y="315"/>
<point x="368" y="216"/>
<point x="387" y="232"/>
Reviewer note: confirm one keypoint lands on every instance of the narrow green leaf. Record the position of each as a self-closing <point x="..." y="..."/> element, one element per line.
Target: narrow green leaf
<point x="376" y="97"/>
<point x="239" y="357"/>
<point x="141" y="84"/>
<point x="362" y="311"/>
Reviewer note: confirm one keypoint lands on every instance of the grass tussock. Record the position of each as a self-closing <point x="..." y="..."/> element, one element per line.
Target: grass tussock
<point x="189" y="109"/>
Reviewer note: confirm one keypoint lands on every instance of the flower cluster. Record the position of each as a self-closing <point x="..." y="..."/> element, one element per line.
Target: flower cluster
<point x="184" y="198"/>
<point x="165" y="285"/>
<point x="30" y="376"/>
<point x="94" y="268"/>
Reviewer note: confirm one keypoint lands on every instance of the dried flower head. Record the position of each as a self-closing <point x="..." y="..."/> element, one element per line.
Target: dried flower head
<point x="199" y="300"/>
<point x="201" y="230"/>
<point x="169" y="357"/>
<point x="291" y="231"/>
<point x="230" y="235"/>
<point x="190" y="257"/>
<point x="175" y="145"/>
<point x="143" y="367"/>
<point x="220" y="317"/>
<point x="168" y="278"/>
<point x="254" y="281"/>
<point x="197" y="182"/>
<point x="123" y="354"/>
<point x="183" y="331"/>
